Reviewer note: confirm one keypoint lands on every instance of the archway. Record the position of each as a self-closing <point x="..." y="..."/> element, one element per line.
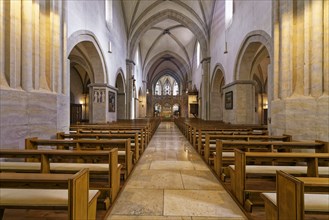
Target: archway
<point x="216" y="94"/>
<point x="87" y="67"/>
<point x="121" y="95"/>
<point x="254" y="64"/>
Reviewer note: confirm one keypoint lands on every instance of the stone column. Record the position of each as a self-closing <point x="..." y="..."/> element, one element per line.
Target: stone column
<point x="43" y="45"/>
<point x="317" y="48"/>
<point x="205" y="88"/>
<point x="36" y="44"/>
<point x="326" y="48"/>
<point x="241" y="95"/>
<point x="14" y="40"/>
<point x="64" y="62"/>
<point x="300" y="69"/>
<point x="130" y="65"/>
<point x="27" y="43"/>
<point x="3" y="80"/>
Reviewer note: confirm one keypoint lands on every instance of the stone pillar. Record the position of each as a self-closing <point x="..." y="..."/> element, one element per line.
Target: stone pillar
<point x="36" y="45"/>
<point x="65" y="65"/>
<point x="3" y="80"/>
<point x="27" y="43"/>
<point x="14" y="40"/>
<point x="300" y="104"/>
<point x="102" y="108"/>
<point x="317" y="48"/>
<point x="239" y="102"/>
<point x="205" y="88"/>
<point x="130" y="66"/>
<point x="326" y="48"/>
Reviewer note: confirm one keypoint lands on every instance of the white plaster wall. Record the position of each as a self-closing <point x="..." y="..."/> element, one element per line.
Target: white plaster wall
<point x="90" y="16"/>
<point x="248" y="16"/>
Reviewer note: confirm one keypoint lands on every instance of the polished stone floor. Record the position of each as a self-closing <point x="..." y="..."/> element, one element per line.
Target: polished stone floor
<point x="171" y="181"/>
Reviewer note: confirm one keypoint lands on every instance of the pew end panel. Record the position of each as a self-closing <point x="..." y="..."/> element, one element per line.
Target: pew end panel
<point x="57" y="191"/>
<point x="289" y="196"/>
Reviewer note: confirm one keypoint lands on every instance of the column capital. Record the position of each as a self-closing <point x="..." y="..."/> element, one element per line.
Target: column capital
<point x="130" y="62"/>
<point x="207" y="59"/>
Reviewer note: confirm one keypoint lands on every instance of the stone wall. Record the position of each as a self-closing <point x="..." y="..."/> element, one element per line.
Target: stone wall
<point x="34" y="93"/>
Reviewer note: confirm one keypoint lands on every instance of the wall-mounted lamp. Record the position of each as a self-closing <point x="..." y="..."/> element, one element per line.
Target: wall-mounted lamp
<point x="147" y="91"/>
<point x="265" y="106"/>
<point x="109" y="49"/>
<point x="186" y="91"/>
<point x="225" y="51"/>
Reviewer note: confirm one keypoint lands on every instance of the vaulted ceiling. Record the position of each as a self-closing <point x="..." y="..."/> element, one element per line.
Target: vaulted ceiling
<point x="166" y="32"/>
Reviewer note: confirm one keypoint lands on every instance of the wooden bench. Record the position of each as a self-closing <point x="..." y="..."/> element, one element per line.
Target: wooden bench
<point x="104" y="172"/>
<point x="202" y="135"/>
<point x="143" y="130"/>
<point x="49" y="191"/>
<point x="209" y="145"/>
<point x="224" y="154"/>
<point x="243" y="171"/>
<point x="134" y="139"/>
<point x="124" y="148"/>
<point x="292" y="199"/>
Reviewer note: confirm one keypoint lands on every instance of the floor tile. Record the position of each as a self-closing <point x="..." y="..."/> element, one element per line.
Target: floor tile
<point x="172" y="165"/>
<point x="206" y="203"/>
<point x="196" y="179"/>
<point x="139" y="202"/>
<point x="155" y="179"/>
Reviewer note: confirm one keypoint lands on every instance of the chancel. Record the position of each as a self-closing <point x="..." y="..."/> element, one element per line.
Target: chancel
<point x="173" y="109"/>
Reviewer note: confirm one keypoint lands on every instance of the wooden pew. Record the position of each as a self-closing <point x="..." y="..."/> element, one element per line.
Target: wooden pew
<point x="125" y="153"/>
<point x="210" y="140"/>
<point x="134" y="139"/>
<point x="200" y="138"/>
<point x="36" y="191"/>
<point x="242" y="171"/>
<point x="224" y="154"/>
<point x="292" y="199"/>
<point x="142" y="133"/>
<point x="104" y="172"/>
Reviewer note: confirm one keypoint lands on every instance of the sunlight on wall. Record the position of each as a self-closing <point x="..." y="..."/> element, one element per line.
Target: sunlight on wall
<point x="228" y="12"/>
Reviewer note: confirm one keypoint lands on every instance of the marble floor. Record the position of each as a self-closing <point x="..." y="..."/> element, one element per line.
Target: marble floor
<point x="171" y="181"/>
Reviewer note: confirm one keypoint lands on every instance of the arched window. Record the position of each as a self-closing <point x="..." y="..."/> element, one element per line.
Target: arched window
<point x="167" y="88"/>
<point x="175" y="89"/>
<point x="228" y="12"/>
<point x="166" y="85"/>
<point x="198" y="55"/>
<point x="109" y="13"/>
<point x="158" y="88"/>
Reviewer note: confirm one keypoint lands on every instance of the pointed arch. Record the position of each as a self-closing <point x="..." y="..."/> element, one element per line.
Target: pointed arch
<point x="87" y="42"/>
<point x="121" y="94"/>
<point x="216" y="95"/>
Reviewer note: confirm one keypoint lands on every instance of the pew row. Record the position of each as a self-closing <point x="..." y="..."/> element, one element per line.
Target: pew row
<point x="104" y="172"/>
<point x="143" y="131"/>
<point x="201" y="135"/>
<point x="209" y="145"/>
<point x="242" y="172"/>
<point x="135" y="141"/>
<point x="49" y="191"/>
<point x="224" y="154"/>
<point x="124" y="148"/>
<point x="293" y="200"/>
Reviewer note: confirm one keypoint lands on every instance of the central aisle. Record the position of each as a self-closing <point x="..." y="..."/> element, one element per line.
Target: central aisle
<point x="171" y="181"/>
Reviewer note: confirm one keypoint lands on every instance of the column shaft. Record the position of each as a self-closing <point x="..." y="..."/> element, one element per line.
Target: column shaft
<point x="27" y="44"/>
